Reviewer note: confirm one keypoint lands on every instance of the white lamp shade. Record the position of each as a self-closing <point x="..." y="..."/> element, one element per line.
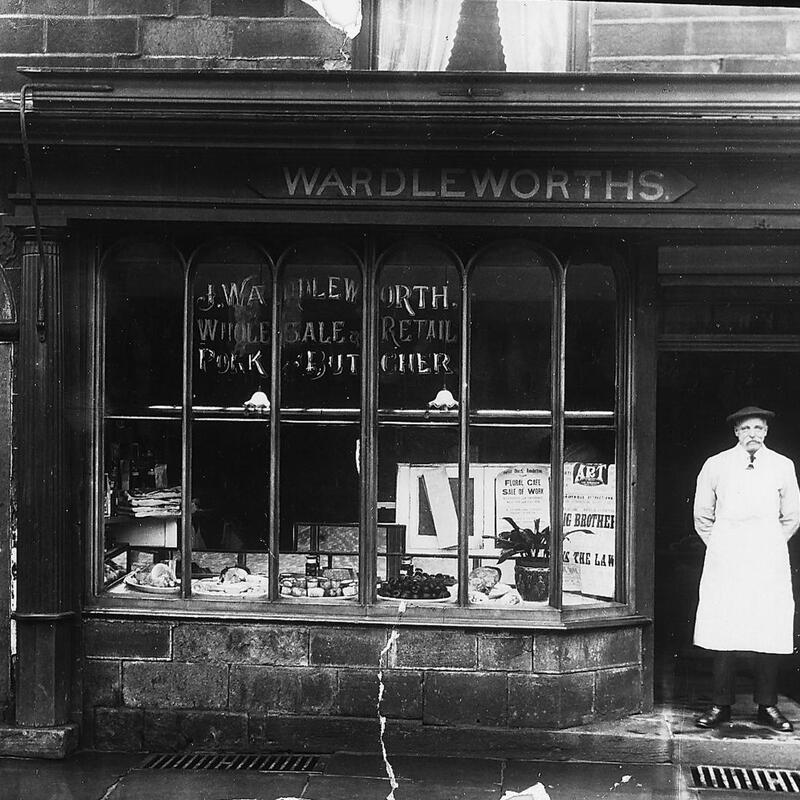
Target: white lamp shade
<point x="258" y="402"/>
<point x="444" y="400"/>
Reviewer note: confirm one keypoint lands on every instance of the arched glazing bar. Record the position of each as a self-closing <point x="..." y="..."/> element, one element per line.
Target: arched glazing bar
<point x="320" y="396"/>
<point x="419" y="376"/>
<point x="229" y="312"/>
<point x="141" y="433"/>
<point x="515" y="414"/>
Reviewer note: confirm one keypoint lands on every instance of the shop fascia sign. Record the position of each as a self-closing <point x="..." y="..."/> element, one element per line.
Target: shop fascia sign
<point x="618" y="184"/>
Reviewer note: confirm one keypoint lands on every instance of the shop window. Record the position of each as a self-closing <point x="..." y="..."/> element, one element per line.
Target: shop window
<point x="419" y="375"/>
<point x="231" y="334"/>
<point x="140" y="484"/>
<point x="321" y="311"/>
<point x="413" y="425"/>
<point x="321" y="299"/>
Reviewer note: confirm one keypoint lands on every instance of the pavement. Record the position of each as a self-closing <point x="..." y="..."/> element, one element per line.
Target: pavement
<point x="642" y="757"/>
<point x="93" y="776"/>
<point x="572" y="774"/>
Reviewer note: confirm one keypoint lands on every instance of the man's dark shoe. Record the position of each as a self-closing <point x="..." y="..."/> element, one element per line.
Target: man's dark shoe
<point x="715" y="715"/>
<point x="772" y="717"/>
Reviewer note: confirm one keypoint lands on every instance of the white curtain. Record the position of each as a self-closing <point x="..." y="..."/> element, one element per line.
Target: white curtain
<point x="535" y="34"/>
<point x="345" y="15"/>
<point x="417" y="35"/>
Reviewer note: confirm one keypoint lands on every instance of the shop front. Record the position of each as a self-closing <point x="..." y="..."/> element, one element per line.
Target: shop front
<point x="344" y="409"/>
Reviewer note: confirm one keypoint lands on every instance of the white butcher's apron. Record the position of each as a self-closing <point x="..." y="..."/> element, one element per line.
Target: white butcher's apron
<point x="746" y="598"/>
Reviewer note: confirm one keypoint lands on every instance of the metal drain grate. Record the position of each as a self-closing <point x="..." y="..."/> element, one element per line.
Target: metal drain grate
<point x="754" y="779"/>
<point x="234" y="761"/>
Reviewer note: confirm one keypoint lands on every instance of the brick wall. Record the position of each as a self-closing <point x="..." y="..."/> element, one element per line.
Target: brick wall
<point x="166" y="34"/>
<point x="633" y="37"/>
<point x="164" y="686"/>
<point x="288" y="34"/>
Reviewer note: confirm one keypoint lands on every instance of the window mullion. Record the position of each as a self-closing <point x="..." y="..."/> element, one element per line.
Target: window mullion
<point x="274" y="439"/>
<point x="464" y="509"/>
<point x="624" y="376"/>
<point x="557" y="441"/>
<point x="368" y="529"/>
<point x="186" y="440"/>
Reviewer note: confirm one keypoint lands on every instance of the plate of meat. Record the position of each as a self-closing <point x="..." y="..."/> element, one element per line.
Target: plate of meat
<point x="153" y="579"/>
<point x="233" y="583"/>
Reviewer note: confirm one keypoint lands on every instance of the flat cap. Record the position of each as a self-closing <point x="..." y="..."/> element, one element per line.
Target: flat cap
<point x="749" y="411"/>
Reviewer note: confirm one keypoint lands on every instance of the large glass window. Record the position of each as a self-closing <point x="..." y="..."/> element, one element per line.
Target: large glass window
<point x="140" y="484"/>
<point x="558" y="36"/>
<point x="322" y="297"/>
<point x="436" y="424"/>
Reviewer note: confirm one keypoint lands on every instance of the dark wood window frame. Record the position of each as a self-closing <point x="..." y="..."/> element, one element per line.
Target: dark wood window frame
<point x="462" y="613"/>
<point x="365" y="45"/>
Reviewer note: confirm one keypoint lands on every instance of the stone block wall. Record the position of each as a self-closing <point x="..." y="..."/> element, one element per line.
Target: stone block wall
<point x="288" y="34"/>
<point x="163" y="686"/>
<point x="166" y="34"/>
<point x="699" y="38"/>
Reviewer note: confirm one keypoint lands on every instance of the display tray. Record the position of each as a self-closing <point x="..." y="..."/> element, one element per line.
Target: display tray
<point x="421" y="601"/>
<point x="510" y="597"/>
<point x="138" y="587"/>
<point x="256" y="587"/>
<point x="307" y="599"/>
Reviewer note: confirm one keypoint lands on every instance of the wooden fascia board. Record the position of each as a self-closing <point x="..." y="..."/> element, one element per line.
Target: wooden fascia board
<point x="735" y="137"/>
<point x="371" y="110"/>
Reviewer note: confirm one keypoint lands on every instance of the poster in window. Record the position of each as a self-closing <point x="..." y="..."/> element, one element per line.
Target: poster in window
<point x="590" y="509"/>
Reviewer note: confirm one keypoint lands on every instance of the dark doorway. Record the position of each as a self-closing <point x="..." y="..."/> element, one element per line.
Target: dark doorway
<point x="696" y="391"/>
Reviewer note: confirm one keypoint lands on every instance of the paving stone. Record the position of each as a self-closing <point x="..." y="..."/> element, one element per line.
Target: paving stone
<point x="550" y="701"/>
<point x="102" y="683"/>
<point x="507" y="653"/>
<point x="193" y="8"/>
<point x="402" y="697"/>
<point x="22" y="36"/>
<point x="167" y="731"/>
<point x="241" y="644"/>
<point x="464" y="698"/>
<point x="113" y="8"/>
<point x="207" y="785"/>
<point x="92" y="35"/>
<point x="188" y="36"/>
<point x="247" y="8"/>
<point x="735" y="36"/>
<point x="173" y="685"/>
<point x="341" y="788"/>
<point x="584" y="650"/>
<point x="315" y="734"/>
<point x="49" y="8"/>
<point x="283" y="690"/>
<point x="81" y="776"/>
<point x="445" y="649"/>
<point x="450" y="771"/>
<point x="347" y="646"/>
<point x="285" y="37"/>
<point x="126" y="639"/>
<point x="56" y="742"/>
<point x="119" y="729"/>
<point x="595" y="781"/>
<point x="618" y="691"/>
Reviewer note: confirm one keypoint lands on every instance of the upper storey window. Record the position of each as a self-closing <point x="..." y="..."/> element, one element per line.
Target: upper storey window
<point x="558" y="36"/>
<point x="501" y="35"/>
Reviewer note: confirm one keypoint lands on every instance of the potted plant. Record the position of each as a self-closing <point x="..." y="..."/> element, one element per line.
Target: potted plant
<point x="531" y="550"/>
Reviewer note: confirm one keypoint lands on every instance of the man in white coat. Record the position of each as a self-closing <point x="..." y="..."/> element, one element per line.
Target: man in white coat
<point x="746" y="508"/>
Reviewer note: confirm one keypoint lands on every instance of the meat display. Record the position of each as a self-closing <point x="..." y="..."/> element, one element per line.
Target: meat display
<point x="158" y="575"/>
<point x="234" y="575"/>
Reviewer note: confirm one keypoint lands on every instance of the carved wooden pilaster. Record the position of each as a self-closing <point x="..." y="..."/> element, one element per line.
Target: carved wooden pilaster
<point x="43" y="561"/>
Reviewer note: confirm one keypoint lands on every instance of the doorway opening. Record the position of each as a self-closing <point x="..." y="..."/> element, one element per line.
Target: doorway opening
<point x="697" y="389"/>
